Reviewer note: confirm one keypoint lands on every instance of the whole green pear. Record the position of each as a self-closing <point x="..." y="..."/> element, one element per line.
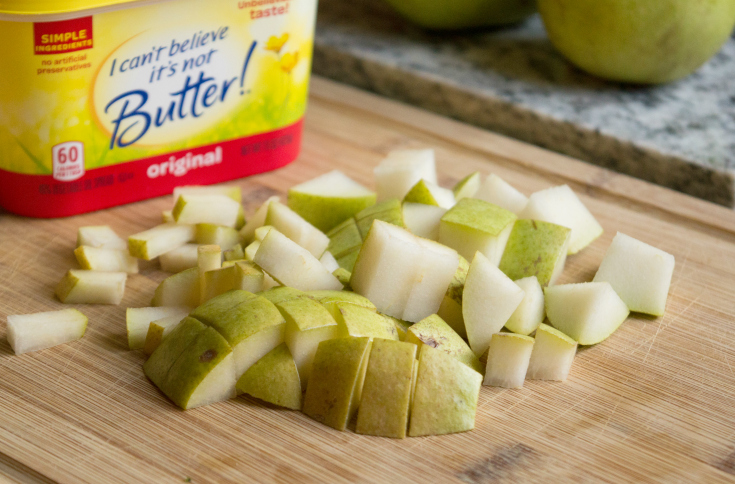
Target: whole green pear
<point x="460" y="14"/>
<point x="638" y="41"/>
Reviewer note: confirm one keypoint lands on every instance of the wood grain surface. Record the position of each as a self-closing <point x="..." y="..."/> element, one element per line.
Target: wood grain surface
<point x="653" y="403"/>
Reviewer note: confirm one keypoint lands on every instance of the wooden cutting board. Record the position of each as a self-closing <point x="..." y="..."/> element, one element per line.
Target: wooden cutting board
<point x="654" y="402"/>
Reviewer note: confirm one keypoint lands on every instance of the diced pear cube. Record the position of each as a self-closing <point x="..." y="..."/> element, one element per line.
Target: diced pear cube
<point x="423" y="220"/>
<point x="258" y="220"/>
<point x="138" y="320"/>
<point x="536" y="248"/>
<point x="497" y="191"/>
<point x="433" y="331"/>
<point x="179" y="259"/>
<point x="158" y="330"/>
<point x="401" y="170"/>
<point x="436" y="272"/>
<point x="451" y="308"/>
<point x="345" y="238"/>
<point x="210" y="234"/>
<point x="181" y="289"/>
<point x="91" y="287"/>
<point x="212" y="209"/>
<point x="357" y="321"/>
<point x="149" y="244"/>
<point x="467" y="186"/>
<point x="293" y="226"/>
<point x="235" y="253"/>
<point x="328" y="261"/>
<point x="274" y="379"/>
<point x="101" y="236"/>
<point x="105" y="260"/>
<point x="167" y="217"/>
<point x="530" y="313"/>
<point x="507" y="360"/>
<point x="389" y="211"/>
<point x="251" y="250"/>
<point x="33" y="332"/>
<point x="552" y="355"/>
<point x="430" y="193"/>
<point x="234" y="192"/>
<point x="261" y="232"/>
<point x="330" y="297"/>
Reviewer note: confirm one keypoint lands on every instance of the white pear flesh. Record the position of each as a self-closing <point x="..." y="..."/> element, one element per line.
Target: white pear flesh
<point x="210" y="234"/>
<point x="293" y="226"/>
<point x="101" y="236"/>
<point x="292" y="265"/>
<point x="138" y="320"/>
<point x="91" y="287"/>
<point x="488" y="301"/>
<point x="499" y="192"/>
<point x="507" y="360"/>
<point x="257" y="220"/>
<point x="261" y="232"/>
<point x="106" y="260"/>
<point x="561" y="206"/>
<point x="234" y="192"/>
<point x="423" y="220"/>
<point x="151" y="243"/>
<point x="552" y="355"/>
<point x="640" y="274"/>
<point x="438" y="266"/>
<point x="179" y="259"/>
<point x="588" y="312"/>
<point x="212" y="209"/>
<point x="401" y="170"/>
<point x="328" y="261"/>
<point x="531" y="312"/>
<point x="33" y="332"/>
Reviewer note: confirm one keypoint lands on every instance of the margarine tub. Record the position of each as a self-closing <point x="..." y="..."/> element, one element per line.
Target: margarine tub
<point x="106" y="102"/>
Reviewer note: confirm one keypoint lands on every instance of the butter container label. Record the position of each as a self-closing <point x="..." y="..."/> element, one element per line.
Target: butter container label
<point x="118" y="106"/>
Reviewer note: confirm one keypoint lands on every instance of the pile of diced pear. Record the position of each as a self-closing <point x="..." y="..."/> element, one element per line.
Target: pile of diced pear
<point x="392" y="307"/>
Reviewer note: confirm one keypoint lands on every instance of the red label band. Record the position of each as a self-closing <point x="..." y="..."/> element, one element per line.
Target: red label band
<point x="44" y="196"/>
<point x="63" y="36"/>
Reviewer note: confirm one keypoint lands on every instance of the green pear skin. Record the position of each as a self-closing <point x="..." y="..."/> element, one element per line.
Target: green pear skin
<point x="274" y="379"/>
<point x="536" y="248"/>
<point x="434" y="332"/>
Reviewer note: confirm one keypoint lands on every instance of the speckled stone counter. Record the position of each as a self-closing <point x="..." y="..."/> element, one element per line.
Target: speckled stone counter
<point x="512" y="81"/>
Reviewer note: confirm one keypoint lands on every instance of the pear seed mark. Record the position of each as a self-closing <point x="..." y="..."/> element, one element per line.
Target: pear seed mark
<point x="208" y="356"/>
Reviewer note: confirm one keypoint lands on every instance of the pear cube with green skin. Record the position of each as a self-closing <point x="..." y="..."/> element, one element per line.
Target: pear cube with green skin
<point x="507" y="360"/>
<point x="451" y="307"/>
<point x="179" y="259"/>
<point x="91" y="287"/>
<point x="234" y="192"/>
<point x="157" y="366"/>
<point x="158" y="330"/>
<point x="151" y="243"/>
<point x="101" y="236"/>
<point x="212" y="209"/>
<point x="292" y="265"/>
<point x="401" y="170"/>
<point x="488" y="301"/>
<point x="475" y="225"/>
<point x="329" y="262"/>
<point x="445" y="397"/>
<point x="247" y="233"/>
<point x="251" y="250"/>
<point x="105" y="260"/>
<point x="357" y="321"/>
<point x="261" y="232"/>
<point x="430" y="193"/>
<point x="588" y="312"/>
<point x="281" y="294"/>
<point x="386" y="393"/>
<point x="536" y="248"/>
<point x="243" y="275"/>
<point x="167" y="217"/>
<point x="308" y="323"/>
<point x="251" y="324"/>
<point x="433" y="331"/>
<point x="335" y="389"/>
<point x="423" y="220"/>
<point x="210" y="234"/>
<point x="274" y="379"/>
<point x="438" y="267"/>
<point x="329" y="297"/>
<point x="181" y="289"/>
<point x="33" y="332"/>
<point x="497" y="191"/>
<point x="561" y="206"/>
<point x="388" y="211"/>
<point x="293" y="226"/>
<point x="531" y="312"/>
<point x="138" y="320"/>
<point x="467" y="186"/>
<point x="343" y="276"/>
<point x="552" y="355"/>
<point x="209" y="258"/>
<point x="329" y="199"/>
<point x="640" y="274"/>
<point x="344" y="238"/>
<point x="401" y="326"/>
<point x="235" y="253"/>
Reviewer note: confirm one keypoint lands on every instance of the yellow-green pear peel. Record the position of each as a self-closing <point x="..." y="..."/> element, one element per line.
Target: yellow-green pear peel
<point x="274" y="379"/>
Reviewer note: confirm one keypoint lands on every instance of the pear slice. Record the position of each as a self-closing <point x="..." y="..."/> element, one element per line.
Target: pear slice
<point x="261" y="232"/>
<point x="210" y="234"/>
<point x="181" y="289"/>
<point x="105" y="260"/>
<point x="386" y="393"/>
<point x="536" y="248"/>
<point x="588" y="312"/>
<point x="157" y="366"/>
<point x="219" y="281"/>
<point x="423" y="220"/>
<point x="433" y="331"/>
<point x="213" y="209"/>
<point x="640" y="274"/>
<point x="328" y="261"/>
<point x="91" y="287"/>
<point x="329" y="199"/>
<point x="158" y="330"/>
<point x="329" y="297"/>
<point x="167" y="217"/>
<point x="451" y="307"/>
<point x="561" y="206"/>
<point x="475" y="225"/>
<point x="389" y="211"/>
<point x="249" y="277"/>
<point x="101" y="236"/>
<point x="234" y="192"/>
<point x="149" y="244"/>
<point x="436" y="272"/>
<point x="292" y="265"/>
<point x="179" y="259"/>
<point x="507" y="360"/>
<point x="357" y="321"/>
<point x="343" y="276"/>
<point x="488" y="301"/>
<point x="335" y="389"/>
<point x="293" y="226"/>
<point x="344" y="239"/>
<point x="33" y="332"/>
<point x="530" y="313"/>
<point x="251" y="324"/>
<point x="247" y="233"/>
<point x="446" y="394"/>
<point x="138" y="320"/>
<point x="497" y="191"/>
<point x="308" y="323"/>
<point x="251" y="250"/>
<point x="235" y="253"/>
<point x="282" y="294"/>
<point x="467" y="186"/>
<point x="552" y="355"/>
<point x="209" y="258"/>
<point x="401" y="170"/>
<point x="274" y="379"/>
<point x="430" y="193"/>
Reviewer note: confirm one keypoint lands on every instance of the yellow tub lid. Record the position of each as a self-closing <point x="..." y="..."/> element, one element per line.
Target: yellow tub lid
<point x="54" y="7"/>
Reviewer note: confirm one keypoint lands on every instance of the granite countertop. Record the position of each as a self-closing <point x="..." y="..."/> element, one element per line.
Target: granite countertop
<point x="513" y="81"/>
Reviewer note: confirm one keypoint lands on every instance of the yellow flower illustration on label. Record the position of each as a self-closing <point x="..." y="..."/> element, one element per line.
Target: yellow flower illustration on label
<point x="275" y="44"/>
<point x="289" y="61"/>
